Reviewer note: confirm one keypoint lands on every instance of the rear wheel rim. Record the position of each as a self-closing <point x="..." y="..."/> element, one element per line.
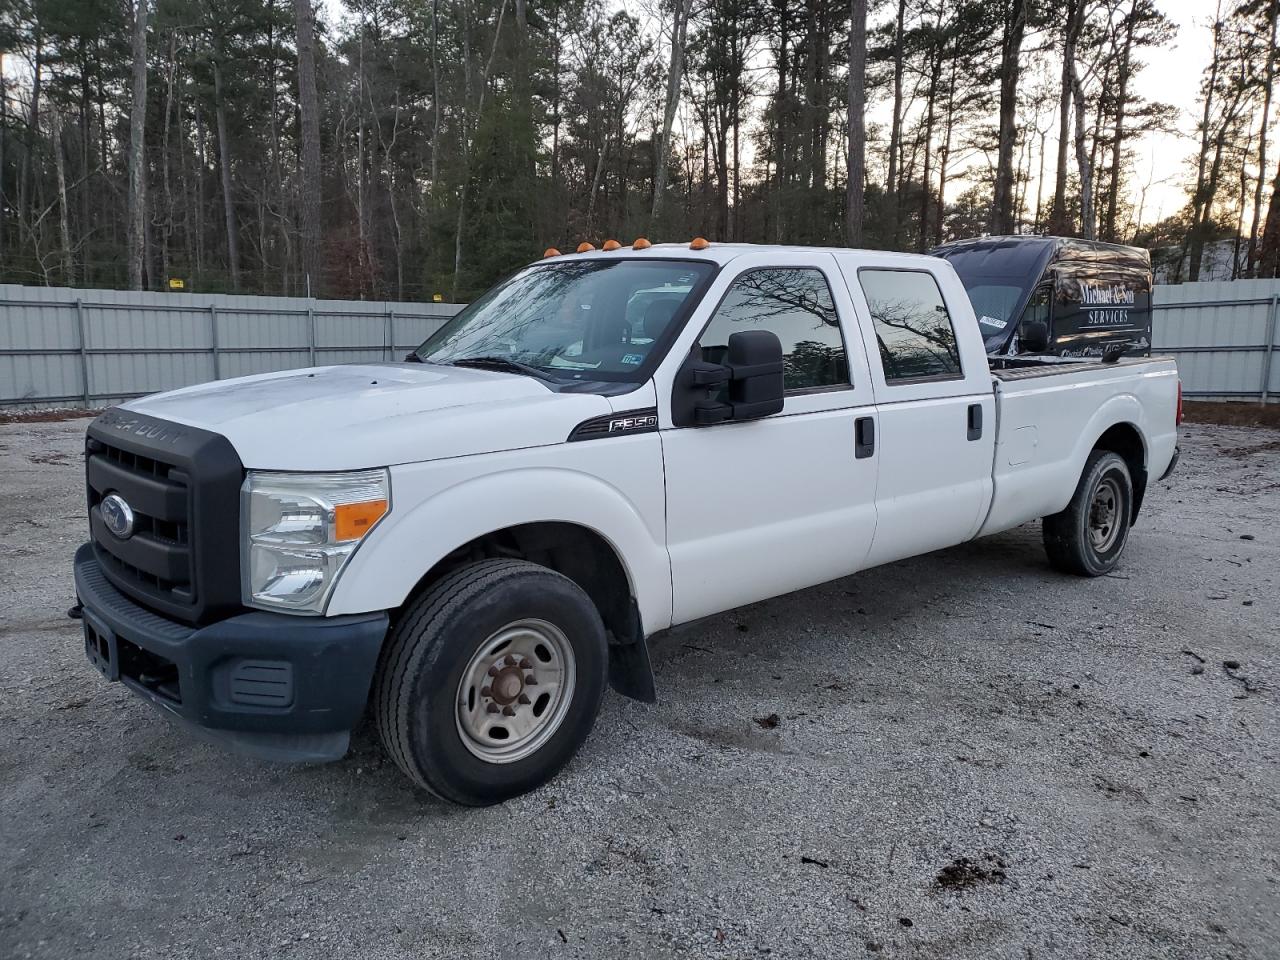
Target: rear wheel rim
<point x="1105" y="515"/>
<point x="515" y="691"/>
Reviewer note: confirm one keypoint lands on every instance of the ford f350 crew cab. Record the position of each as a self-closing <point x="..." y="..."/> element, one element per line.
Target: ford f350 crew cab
<point x="473" y="543"/>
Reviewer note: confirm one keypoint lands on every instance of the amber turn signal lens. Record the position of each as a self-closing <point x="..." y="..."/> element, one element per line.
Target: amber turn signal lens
<point x="550" y="252"/>
<point x="699" y="243"/>
<point x="610" y="245"/>
<point x="641" y="244"/>
<point x="353" y="520"/>
<point x="585" y="247"/>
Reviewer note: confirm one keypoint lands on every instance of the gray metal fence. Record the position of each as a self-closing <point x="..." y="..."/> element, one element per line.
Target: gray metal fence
<point x="1223" y="334"/>
<point x="63" y="347"/>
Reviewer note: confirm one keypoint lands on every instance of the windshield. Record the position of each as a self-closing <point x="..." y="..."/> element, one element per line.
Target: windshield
<point x="994" y="302"/>
<point x="577" y="319"/>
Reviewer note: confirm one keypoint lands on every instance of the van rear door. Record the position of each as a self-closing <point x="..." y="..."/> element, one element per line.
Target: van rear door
<point x="1101" y="298"/>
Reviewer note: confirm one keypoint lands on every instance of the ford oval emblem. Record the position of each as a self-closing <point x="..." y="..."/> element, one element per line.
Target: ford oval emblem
<point x="117" y="515"/>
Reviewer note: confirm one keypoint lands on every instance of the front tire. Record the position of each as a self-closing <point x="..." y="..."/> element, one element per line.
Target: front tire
<point x="1087" y="538"/>
<point x="491" y="680"/>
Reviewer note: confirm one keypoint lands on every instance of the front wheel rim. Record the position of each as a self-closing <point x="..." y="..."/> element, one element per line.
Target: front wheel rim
<point x="515" y="691"/>
<point x="1105" y="515"/>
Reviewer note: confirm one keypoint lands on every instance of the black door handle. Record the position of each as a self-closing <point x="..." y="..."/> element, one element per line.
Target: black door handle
<point x="975" y="421"/>
<point x="864" y="437"/>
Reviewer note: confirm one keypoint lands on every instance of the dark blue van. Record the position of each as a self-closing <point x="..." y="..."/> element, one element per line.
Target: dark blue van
<point x="1056" y="295"/>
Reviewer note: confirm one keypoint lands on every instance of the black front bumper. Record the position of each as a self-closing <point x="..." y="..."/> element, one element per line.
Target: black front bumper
<point x="272" y="685"/>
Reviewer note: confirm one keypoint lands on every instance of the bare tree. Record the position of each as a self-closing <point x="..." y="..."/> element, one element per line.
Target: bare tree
<point x="1015" y="26"/>
<point x="224" y="164"/>
<point x="1075" y="22"/>
<point x="137" y="144"/>
<point x="309" y="183"/>
<point x="895" y="128"/>
<point x="1269" y="249"/>
<point x="1084" y="162"/>
<point x="675" y="72"/>
<point x="855" y="199"/>
<point x="1268" y="89"/>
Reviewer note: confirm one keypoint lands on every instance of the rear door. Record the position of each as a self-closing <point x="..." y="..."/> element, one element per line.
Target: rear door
<point x="762" y="507"/>
<point x="935" y="407"/>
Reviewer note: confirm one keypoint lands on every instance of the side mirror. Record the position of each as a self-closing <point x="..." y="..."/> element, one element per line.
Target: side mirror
<point x="1033" y="336"/>
<point x="752" y="374"/>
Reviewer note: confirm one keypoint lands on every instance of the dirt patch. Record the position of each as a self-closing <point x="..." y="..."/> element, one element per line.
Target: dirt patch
<point x="963" y="873"/>
<point x="1252" y="449"/>
<point x="51" y="458"/>
<point x="49" y="416"/>
<point x="1243" y="413"/>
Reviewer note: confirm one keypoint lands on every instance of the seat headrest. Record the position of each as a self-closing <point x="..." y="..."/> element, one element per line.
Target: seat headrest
<point x="657" y="315"/>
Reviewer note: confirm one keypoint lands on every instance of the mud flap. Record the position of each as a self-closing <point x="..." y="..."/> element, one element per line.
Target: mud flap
<point x="630" y="672"/>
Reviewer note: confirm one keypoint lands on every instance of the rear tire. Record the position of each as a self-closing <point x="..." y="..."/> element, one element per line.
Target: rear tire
<point x="491" y="680"/>
<point x="1087" y="538"/>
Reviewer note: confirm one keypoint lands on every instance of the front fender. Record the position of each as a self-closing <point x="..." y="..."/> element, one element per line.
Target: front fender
<point x="434" y="513"/>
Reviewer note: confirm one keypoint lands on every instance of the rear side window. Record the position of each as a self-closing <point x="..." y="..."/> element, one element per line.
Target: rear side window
<point x="794" y="303"/>
<point x="913" y="328"/>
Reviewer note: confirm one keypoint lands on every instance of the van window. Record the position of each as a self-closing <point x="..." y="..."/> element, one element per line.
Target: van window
<point x="794" y="303"/>
<point x="1038" y="306"/>
<point x="994" y="302"/>
<point x="913" y="327"/>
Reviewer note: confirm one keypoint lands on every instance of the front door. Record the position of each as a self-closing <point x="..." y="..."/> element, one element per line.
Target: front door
<point x="762" y="507"/>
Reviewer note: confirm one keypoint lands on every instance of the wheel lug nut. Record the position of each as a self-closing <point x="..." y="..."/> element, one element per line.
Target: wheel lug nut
<point x="491" y="708"/>
<point x="494" y="670"/>
<point x="525" y="664"/>
<point x="486" y="691"/>
<point x="508" y="711"/>
<point x="511" y="660"/>
<point x="524" y="698"/>
<point x="531" y="681"/>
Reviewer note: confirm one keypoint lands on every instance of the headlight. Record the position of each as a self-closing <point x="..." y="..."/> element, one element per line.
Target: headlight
<point x="299" y="530"/>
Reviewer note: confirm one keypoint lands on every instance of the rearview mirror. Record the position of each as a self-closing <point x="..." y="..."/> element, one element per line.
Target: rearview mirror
<point x="751" y="376"/>
<point x="1033" y="336"/>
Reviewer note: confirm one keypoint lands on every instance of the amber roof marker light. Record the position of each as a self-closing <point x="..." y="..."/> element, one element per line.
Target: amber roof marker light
<point x="550" y="252"/>
<point x="585" y="247"/>
<point x="699" y="243"/>
<point x="641" y="244"/>
<point x="611" y="245"/>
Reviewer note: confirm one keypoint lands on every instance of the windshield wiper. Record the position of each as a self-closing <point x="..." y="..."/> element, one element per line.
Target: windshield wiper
<point x="501" y="363"/>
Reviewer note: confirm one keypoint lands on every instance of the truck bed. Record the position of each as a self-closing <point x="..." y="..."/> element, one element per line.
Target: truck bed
<point x="1051" y="414"/>
<point x="1022" y="368"/>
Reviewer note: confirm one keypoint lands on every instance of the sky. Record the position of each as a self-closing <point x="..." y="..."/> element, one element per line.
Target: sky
<point x="1173" y="76"/>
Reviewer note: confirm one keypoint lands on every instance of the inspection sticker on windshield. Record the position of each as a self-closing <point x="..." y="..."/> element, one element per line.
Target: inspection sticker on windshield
<point x="993" y="322"/>
<point x="631" y="359"/>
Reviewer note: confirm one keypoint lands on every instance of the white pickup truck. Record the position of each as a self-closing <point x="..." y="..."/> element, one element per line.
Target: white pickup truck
<point x="473" y="542"/>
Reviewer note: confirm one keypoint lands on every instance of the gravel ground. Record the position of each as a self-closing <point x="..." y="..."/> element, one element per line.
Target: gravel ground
<point x="961" y="755"/>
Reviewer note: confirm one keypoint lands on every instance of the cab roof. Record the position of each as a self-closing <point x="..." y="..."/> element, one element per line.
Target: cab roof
<point x="722" y="253"/>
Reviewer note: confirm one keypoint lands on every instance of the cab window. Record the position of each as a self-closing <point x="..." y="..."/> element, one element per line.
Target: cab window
<point x="795" y="304"/>
<point x="912" y="324"/>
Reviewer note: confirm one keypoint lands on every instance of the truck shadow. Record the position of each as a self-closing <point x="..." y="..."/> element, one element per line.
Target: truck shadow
<point x="698" y="664"/>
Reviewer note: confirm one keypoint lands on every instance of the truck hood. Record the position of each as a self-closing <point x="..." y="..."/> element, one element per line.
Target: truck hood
<point x="371" y="415"/>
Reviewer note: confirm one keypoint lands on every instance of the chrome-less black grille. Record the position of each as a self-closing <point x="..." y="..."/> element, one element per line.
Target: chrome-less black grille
<point x="156" y="555"/>
<point x="179" y="555"/>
